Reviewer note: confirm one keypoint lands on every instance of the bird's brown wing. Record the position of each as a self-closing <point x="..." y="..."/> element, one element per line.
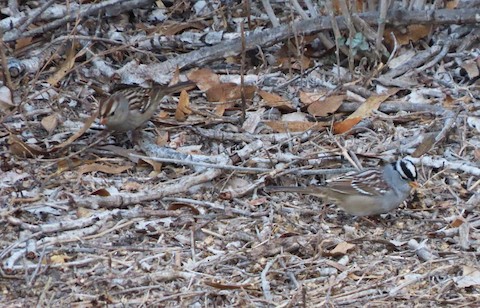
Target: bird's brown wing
<point x="368" y="183"/>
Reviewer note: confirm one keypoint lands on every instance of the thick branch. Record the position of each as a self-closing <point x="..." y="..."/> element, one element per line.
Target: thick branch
<point x="310" y="26"/>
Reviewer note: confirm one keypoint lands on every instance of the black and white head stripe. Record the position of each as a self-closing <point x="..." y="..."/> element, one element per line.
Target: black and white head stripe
<point x="407" y="169"/>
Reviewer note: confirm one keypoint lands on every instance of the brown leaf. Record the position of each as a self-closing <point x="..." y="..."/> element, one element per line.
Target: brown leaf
<point x="470" y="66"/>
<point x="156" y="165"/>
<point x="69" y="164"/>
<point x="258" y="201"/>
<point x="102" y="192"/>
<point x="102" y="168"/>
<point x="297" y="63"/>
<point x="162" y="138"/>
<point x="50" y="122"/>
<point x="227" y="92"/>
<point x="219" y="109"/>
<point x="327" y="106"/>
<point x="59" y="259"/>
<point x="342" y="248"/>
<point x="177" y="27"/>
<point x="224" y="286"/>
<point x="296" y="126"/>
<point x="176" y="77"/>
<point x="451" y="4"/>
<point x="372" y="103"/>
<point x="179" y="205"/>
<point x="310" y="97"/>
<point x="83" y="212"/>
<point x="77" y="135"/>
<point x="23" y="42"/>
<point x="345" y="125"/>
<point x="457" y="222"/>
<point x="21" y="149"/>
<point x="425" y="146"/>
<point x="476" y="154"/>
<point x="204" y="78"/>
<point x="183" y="107"/>
<point x="276" y="101"/>
<point x="413" y="33"/>
<point x="64" y="68"/>
<point x="365" y="110"/>
<point x="132" y="186"/>
<point x="26" y="200"/>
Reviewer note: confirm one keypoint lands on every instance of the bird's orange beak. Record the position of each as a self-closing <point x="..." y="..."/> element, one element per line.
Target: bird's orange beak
<point x="414" y="184"/>
<point x="103" y="120"/>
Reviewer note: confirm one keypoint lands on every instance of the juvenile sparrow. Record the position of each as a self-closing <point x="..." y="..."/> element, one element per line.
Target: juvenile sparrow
<point x="129" y="108"/>
<point x="368" y="192"/>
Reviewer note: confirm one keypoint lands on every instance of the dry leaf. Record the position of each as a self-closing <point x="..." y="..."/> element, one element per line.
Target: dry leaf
<point x="413" y="33"/>
<point x="425" y="146"/>
<point x="227" y="92"/>
<point x="6" y="102"/>
<point x="102" y="192"/>
<point x="102" y="168"/>
<point x="219" y="109"/>
<point x="50" y="122"/>
<point x="342" y="248"/>
<point x="295" y="117"/>
<point x="470" y="277"/>
<point x="471" y="67"/>
<point x="132" y="186"/>
<point x="296" y="126"/>
<point x="176" y="77"/>
<point x="476" y="154"/>
<point x="252" y="120"/>
<point x="235" y="183"/>
<point x="64" y="68"/>
<point x="345" y="125"/>
<point x="451" y="4"/>
<point x="77" y="135"/>
<point x="449" y="101"/>
<point x="83" y="212"/>
<point x="297" y="63"/>
<point x="156" y="165"/>
<point x="288" y="58"/>
<point x="258" y="201"/>
<point x="177" y="27"/>
<point x="310" y="97"/>
<point x="162" y="138"/>
<point x="183" y="107"/>
<point x="365" y="110"/>
<point x="23" y="42"/>
<point x="474" y="122"/>
<point x="180" y="205"/>
<point x="326" y="107"/>
<point x="21" y="149"/>
<point x="59" y="259"/>
<point x="353" y="276"/>
<point x="204" y="78"/>
<point x="223" y="286"/>
<point x="68" y="164"/>
<point x="457" y="222"/>
<point x="276" y="101"/>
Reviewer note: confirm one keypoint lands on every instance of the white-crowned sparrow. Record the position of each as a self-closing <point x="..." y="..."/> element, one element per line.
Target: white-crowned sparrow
<point x="368" y="192"/>
<point x="129" y="108"/>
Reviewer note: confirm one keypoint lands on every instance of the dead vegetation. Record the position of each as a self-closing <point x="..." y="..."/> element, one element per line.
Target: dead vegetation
<point x="175" y="215"/>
